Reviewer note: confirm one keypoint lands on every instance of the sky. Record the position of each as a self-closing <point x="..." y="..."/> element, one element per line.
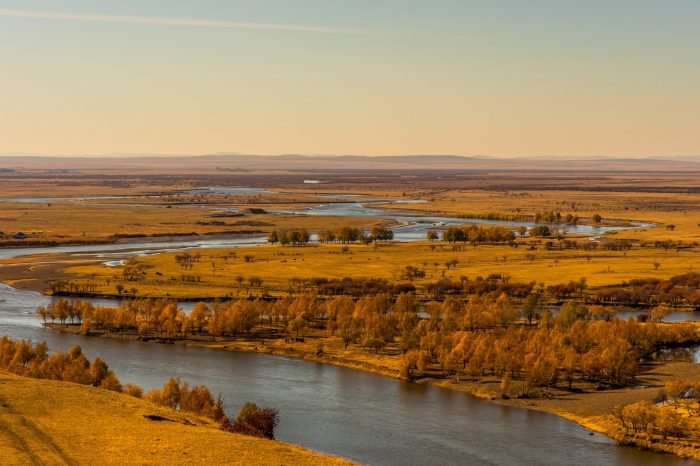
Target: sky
<point x="373" y="77"/>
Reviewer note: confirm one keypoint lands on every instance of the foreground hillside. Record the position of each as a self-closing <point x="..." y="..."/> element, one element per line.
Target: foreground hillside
<point x="49" y="422"/>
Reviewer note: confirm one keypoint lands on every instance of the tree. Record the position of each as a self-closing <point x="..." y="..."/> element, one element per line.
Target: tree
<point x="596" y="219"/>
<point x="283" y="237"/>
<point x="199" y="316"/>
<point x="671" y="423"/>
<point x="409" y="364"/>
<point x="431" y="235"/>
<point x="530" y="308"/>
<point x="540" y="231"/>
<point x="638" y="416"/>
<point x="570" y="312"/>
<point x="675" y="390"/>
<point x="272" y="238"/>
<point x="98" y="371"/>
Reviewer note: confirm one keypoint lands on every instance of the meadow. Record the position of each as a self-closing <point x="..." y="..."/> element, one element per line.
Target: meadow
<point x="53" y="422"/>
<point x="227" y="272"/>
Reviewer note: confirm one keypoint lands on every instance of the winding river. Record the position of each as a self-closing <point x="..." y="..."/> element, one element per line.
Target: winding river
<point x="364" y="417"/>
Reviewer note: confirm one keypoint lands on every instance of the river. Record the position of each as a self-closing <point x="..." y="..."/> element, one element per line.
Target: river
<point x="364" y="417"/>
<point x="411" y="226"/>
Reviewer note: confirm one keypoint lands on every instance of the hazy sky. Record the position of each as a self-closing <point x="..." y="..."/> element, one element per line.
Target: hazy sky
<point x="493" y="77"/>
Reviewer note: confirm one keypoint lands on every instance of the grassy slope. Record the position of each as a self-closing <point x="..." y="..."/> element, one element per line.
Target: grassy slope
<point x="48" y="422"/>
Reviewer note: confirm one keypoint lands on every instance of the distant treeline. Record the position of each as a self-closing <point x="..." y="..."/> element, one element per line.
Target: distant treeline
<point x="477" y="234"/>
<point x="678" y="290"/>
<point x="343" y="235"/>
<point x="547" y="216"/>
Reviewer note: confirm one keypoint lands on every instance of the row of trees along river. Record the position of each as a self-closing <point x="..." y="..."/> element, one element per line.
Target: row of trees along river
<point x="484" y="336"/>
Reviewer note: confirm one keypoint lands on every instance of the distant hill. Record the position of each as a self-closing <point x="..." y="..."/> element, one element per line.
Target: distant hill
<point x="311" y="163"/>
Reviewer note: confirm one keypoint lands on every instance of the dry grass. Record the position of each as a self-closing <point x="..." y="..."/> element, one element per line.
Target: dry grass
<point x="678" y="209"/>
<point x="48" y="422"/>
<point x="71" y="222"/>
<point x="275" y="265"/>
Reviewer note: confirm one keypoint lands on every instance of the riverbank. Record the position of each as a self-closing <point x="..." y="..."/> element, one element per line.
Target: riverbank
<point x="52" y="422"/>
<point x="585" y="405"/>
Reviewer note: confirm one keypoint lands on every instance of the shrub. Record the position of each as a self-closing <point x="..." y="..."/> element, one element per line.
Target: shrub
<point x="254" y="421"/>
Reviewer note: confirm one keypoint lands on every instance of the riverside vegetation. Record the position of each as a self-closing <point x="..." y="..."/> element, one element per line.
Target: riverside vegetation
<point x="53" y="422"/>
<point x="33" y="360"/>
<point x="532" y="353"/>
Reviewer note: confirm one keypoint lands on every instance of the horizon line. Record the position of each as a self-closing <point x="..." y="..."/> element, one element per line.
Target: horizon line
<point x="291" y="154"/>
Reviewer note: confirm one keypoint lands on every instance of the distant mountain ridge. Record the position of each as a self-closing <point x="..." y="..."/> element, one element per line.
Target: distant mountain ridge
<point x="285" y="162"/>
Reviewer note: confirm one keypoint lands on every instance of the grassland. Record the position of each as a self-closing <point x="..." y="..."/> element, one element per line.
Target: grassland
<point x="678" y="209"/>
<point x="617" y="198"/>
<point x="276" y="265"/>
<point x="79" y="223"/>
<point x="49" y="422"/>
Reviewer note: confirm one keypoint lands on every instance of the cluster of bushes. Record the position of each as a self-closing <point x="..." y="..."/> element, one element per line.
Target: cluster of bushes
<point x="254" y="421"/>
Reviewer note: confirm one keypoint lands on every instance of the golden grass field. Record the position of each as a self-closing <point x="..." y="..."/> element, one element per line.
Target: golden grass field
<point x="49" y="422"/>
<point x="75" y="222"/>
<point x="679" y="209"/>
<point x="275" y="265"/>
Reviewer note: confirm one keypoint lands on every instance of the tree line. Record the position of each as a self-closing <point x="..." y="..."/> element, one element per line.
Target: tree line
<point x="344" y="235"/>
<point x="681" y="289"/>
<point x="477" y="234"/>
<point x="485" y="336"/>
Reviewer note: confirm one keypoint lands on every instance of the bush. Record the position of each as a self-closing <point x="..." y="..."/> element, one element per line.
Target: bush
<point x="254" y="421"/>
